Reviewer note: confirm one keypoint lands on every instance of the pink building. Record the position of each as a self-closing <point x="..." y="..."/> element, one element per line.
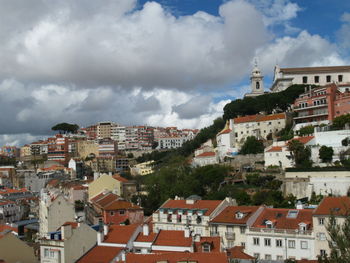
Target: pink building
<point x="322" y="104"/>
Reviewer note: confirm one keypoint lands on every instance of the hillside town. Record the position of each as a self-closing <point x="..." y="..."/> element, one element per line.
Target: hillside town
<point x="267" y="185"/>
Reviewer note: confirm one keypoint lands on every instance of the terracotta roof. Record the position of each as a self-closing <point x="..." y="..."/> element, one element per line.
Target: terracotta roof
<point x="237" y="252"/>
<point x="79" y="187"/>
<point x="73" y="224"/>
<point x="120" y="179"/>
<point x="307" y="261"/>
<point x="6" y="202"/>
<point x="104" y="199"/>
<point x="208" y="205"/>
<point x="304" y="139"/>
<point x="142" y="238"/>
<point x="228" y="215"/>
<point x="100" y="254"/>
<point x="175" y="257"/>
<point x="6" y="228"/>
<point x="225" y="131"/>
<point x="315" y="69"/>
<point x="259" y="118"/>
<point x="174" y="238"/>
<point x="334" y="205"/>
<point x="215" y="243"/>
<point x="281" y="220"/>
<point x="206" y="154"/>
<point x="275" y="149"/>
<point x="120" y="234"/>
<point x="115" y="205"/>
<point x="12" y="191"/>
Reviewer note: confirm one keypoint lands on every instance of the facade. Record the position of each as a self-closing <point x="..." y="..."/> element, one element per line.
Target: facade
<point x="205" y="158"/>
<point x="260" y="126"/>
<point x="224" y="140"/>
<point x="321" y="105"/>
<point x="68" y="244"/>
<point x="280" y="234"/>
<point x="107" y="148"/>
<point x="105" y="183"/>
<point x="190" y="213"/>
<point x="142" y="168"/>
<point x="9" y="212"/>
<point x="171" y="142"/>
<point x="54" y="211"/>
<point x="285" y="77"/>
<point x="231" y="224"/>
<point x="336" y="206"/>
<point x="104" y="130"/>
<point x="87" y="149"/>
<point x="58" y="149"/>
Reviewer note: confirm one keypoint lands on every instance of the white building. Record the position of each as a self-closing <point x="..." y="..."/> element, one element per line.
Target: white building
<point x="190" y="213"/>
<point x="225" y="141"/>
<point x="68" y="244"/>
<point x="260" y="126"/>
<point x="54" y="211"/>
<point x="171" y="142"/>
<point x="279" y="234"/>
<point x="256" y="82"/>
<point x="205" y="158"/>
<point x="9" y="212"/>
<point x="285" y="77"/>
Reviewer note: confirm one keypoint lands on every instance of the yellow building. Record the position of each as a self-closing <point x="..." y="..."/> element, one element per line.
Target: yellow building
<point x="12" y="250"/>
<point x="25" y="151"/>
<point x="142" y="168"/>
<point x="105" y="183"/>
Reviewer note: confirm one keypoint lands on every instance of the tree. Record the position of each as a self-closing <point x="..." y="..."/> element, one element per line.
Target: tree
<point x="340" y="121"/>
<point x="252" y="146"/>
<point x="326" y="154"/>
<point x="65" y="128"/>
<point x="307" y="130"/>
<point x="339" y="241"/>
<point x="300" y="154"/>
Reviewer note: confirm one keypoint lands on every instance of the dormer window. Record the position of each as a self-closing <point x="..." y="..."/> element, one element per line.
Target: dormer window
<point x="206" y="247"/>
<point x="268" y="224"/>
<point x="199" y="219"/>
<point x="302" y="227"/>
<point x="239" y="215"/>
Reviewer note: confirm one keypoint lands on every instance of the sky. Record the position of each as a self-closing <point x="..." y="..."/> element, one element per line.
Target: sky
<point x="159" y="63"/>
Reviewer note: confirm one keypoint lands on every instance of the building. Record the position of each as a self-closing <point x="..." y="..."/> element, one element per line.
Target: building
<point x="231" y="224"/>
<point x="142" y="168"/>
<point x="320" y="105"/>
<point x="259" y="126"/>
<point x="225" y="141"/>
<point x="336" y="206"/>
<point x="105" y="130"/>
<point x="12" y="250"/>
<point x="105" y="183"/>
<point x="280" y="234"/>
<point x="71" y="241"/>
<point x="87" y="149"/>
<point x="58" y="149"/>
<point x="54" y="211"/>
<point x="320" y="76"/>
<point x="107" y="148"/>
<point x="10" y="211"/>
<point x="38" y="148"/>
<point x="191" y="213"/>
<point x="9" y="151"/>
<point x="205" y="158"/>
<point x="256" y="82"/>
<point x="105" y="164"/>
<point x="171" y="142"/>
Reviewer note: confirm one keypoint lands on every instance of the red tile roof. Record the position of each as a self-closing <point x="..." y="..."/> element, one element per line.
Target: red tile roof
<point x="142" y="238"/>
<point x="259" y="118"/>
<point x="116" y="205"/>
<point x="237" y="252"/>
<point x="275" y="149"/>
<point x="225" y="131"/>
<point x="73" y="224"/>
<point x="280" y="218"/>
<point x="209" y="205"/>
<point x="100" y="254"/>
<point x="334" y="205"/>
<point x="175" y="257"/>
<point x="120" y="179"/>
<point x="174" y="238"/>
<point x="7" y="228"/>
<point x="120" y="234"/>
<point x="228" y="215"/>
<point x="206" y="154"/>
<point x="304" y="139"/>
<point x="215" y="243"/>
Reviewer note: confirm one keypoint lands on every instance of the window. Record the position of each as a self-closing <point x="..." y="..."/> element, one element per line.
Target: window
<point x="257" y="85"/>
<point x="278" y="242"/>
<point x="46" y="252"/>
<point x="291" y="243"/>
<point x="321" y="221"/>
<point x="268" y="257"/>
<point x="340" y="78"/>
<point x="328" y="78"/>
<point x="303" y="244"/>
<point x="111" y="213"/>
<point x="242" y="229"/>
<point x="322" y="252"/>
<point x="305" y="79"/>
<point x="256" y="241"/>
<point x="256" y="255"/>
<point x="206" y="248"/>
<point x="279" y="257"/>
<point x="317" y="79"/>
<point x="267" y="242"/>
<point x="322" y="236"/>
<point x="243" y="244"/>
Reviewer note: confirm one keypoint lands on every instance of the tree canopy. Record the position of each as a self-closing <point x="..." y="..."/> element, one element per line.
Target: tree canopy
<point x="326" y="154"/>
<point x="65" y="128"/>
<point x="340" y="121"/>
<point x="252" y="146"/>
<point x="300" y="154"/>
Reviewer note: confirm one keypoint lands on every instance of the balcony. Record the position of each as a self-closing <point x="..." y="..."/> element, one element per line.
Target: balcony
<point x="311" y="107"/>
<point x="230" y="235"/>
<point x="281" y="231"/>
<point x="214" y="234"/>
<point x="311" y="116"/>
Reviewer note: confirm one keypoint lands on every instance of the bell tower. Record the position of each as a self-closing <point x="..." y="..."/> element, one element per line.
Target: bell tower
<point x="256" y="81"/>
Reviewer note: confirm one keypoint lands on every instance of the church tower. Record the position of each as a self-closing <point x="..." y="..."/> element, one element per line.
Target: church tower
<point x="256" y="82"/>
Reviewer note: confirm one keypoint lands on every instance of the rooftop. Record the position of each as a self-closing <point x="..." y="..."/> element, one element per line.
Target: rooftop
<point x="100" y="254"/>
<point x="120" y="234"/>
<point x="338" y="206"/>
<point x="208" y="205"/>
<point x="259" y="118"/>
<point x="235" y="214"/>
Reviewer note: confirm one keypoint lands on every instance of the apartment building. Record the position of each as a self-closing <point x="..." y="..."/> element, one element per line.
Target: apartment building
<point x="191" y="213"/>
<point x="107" y="148"/>
<point x="285" y="77"/>
<point x="320" y="105"/>
<point x="104" y="130"/>
<point x="58" y="149"/>
<point x="280" y="234"/>
<point x="9" y="211"/>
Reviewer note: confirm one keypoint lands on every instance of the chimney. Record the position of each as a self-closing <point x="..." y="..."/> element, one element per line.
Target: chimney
<point x="105" y="229"/>
<point x="187" y="232"/>
<point x="145" y="230"/>
<point x="66" y="231"/>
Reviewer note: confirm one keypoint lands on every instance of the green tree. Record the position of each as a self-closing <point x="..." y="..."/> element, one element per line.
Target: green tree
<point x="326" y="154"/>
<point x="65" y="128"/>
<point x="307" y="130"/>
<point x="340" y="121"/>
<point x="300" y="154"/>
<point x="252" y="146"/>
